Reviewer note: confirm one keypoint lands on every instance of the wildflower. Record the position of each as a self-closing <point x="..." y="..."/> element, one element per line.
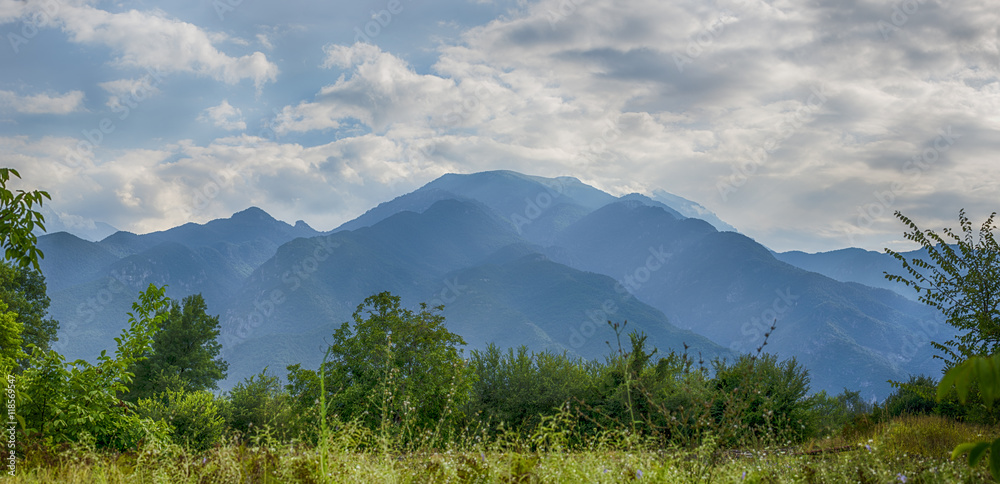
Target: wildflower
<point x="901" y="477"/>
<point x="744" y="476"/>
<point x="638" y="474"/>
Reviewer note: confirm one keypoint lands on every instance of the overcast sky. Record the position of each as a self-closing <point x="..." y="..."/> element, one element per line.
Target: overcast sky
<point x="803" y="124"/>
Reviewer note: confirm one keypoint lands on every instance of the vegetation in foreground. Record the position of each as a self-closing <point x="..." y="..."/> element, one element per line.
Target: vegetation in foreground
<point x="905" y="449"/>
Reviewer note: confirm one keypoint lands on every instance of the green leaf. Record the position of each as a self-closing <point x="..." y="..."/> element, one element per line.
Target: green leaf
<point x="977" y="453"/>
<point x="988" y="370"/>
<point x="962" y="449"/>
<point x="963" y="380"/>
<point x="995" y="459"/>
<point x="946" y="383"/>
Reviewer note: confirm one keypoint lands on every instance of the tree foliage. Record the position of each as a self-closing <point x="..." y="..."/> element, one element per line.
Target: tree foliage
<point x="962" y="280"/>
<point x="18" y="220"/>
<point x="763" y="396"/>
<point x="518" y="387"/>
<point x="258" y="404"/>
<point x="23" y="290"/>
<point x="394" y="363"/>
<point x="184" y="354"/>
<point x="10" y="339"/>
<point x="193" y="417"/>
<point x="59" y="401"/>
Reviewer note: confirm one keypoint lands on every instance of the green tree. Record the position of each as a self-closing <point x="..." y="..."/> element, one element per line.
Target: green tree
<point x="915" y="397"/>
<point x="19" y="220"/>
<point x="23" y="290"/>
<point x="60" y="402"/>
<point x="962" y="280"/>
<point x="10" y="339"/>
<point x="184" y="354"/>
<point x="396" y="364"/>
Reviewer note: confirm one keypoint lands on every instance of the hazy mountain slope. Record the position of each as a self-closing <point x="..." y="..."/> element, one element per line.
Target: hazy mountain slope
<point x="622" y="237"/>
<point x="254" y="233"/>
<point x="459" y="254"/>
<point x="510" y="192"/>
<point x="729" y="288"/>
<point x="322" y="279"/>
<point x="70" y="260"/>
<point x="556" y="308"/>
<point x="529" y="301"/>
<point x="416" y="201"/>
<point x="854" y="265"/>
<point x="92" y="285"/>
<point x="691" y="209"/>
<point x="638" y="197"/>
<point x="92" y="313"/>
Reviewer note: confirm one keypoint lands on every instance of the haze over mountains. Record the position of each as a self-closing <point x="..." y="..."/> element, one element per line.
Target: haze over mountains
<point x="515" y="259"/>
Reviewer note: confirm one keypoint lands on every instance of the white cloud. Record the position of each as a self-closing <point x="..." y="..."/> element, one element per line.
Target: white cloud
<point x="647" y="94"/>
<point x="129" y="90"/>
<point x="382" y="91"/>
<point x="145" y="190"/>
<point x="630" y="95"/>
<point x="224" y="116"/>
<point x="42" y="103"/>
<point x="152" y="40"/>
<point x="265" y="41"/>
<point x="10" y="10"/>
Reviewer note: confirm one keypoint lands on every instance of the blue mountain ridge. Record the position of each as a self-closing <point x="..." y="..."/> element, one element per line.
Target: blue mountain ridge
<point x="514" y="259"/>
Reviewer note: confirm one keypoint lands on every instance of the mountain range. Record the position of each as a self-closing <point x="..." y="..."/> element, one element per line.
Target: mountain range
<point x="515" y="260"/>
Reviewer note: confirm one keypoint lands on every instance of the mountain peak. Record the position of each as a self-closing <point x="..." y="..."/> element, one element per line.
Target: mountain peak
<point x="633" y="200"/>
<point x="252" y="213"/>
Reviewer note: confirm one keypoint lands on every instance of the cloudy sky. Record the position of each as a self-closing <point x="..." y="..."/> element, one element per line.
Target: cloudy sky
<point x="803" y="124"/>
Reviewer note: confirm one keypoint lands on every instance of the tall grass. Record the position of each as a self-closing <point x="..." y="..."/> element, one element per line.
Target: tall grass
<point x="893" y="452"/>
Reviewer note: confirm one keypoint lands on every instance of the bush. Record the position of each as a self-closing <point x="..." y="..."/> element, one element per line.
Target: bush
<point x="915" y="397"/>
<point x="831" y="415"/>
<point x="193" y="417"/>
<point x="256" y="404"/>
<point x="518" y="388"/>
<point x="759" y="398"/>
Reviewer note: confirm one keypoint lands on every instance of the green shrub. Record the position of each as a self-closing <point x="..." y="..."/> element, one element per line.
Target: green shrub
<point x="915" y="397"/>
<point x="256" y="404"/>
<point x="831" y="415"/>
<point x="759" y="400"/>
<point x="193" y="417"/>
<point x="518" y="388"/>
